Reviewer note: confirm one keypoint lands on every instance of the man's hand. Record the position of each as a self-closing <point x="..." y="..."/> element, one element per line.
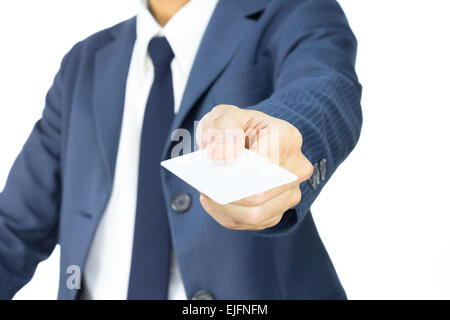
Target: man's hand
<point x="225" y="132"/>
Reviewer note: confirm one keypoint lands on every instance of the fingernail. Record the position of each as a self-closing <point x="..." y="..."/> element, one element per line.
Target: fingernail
<point x="224" y="139"/>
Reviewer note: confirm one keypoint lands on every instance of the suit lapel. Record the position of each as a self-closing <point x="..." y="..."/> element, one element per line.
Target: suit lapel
<point x="228" y="26"/>
<point x="112" y="62"/>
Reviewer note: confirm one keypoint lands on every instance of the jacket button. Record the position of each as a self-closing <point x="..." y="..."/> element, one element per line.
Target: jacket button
<point x="181" y="202"/>
<point x="202" y="295"/>
<point x="314" y="180"/>
<point x="323" y="169"/>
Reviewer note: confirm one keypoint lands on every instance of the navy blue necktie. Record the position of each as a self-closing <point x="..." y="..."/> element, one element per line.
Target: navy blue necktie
<point x="149" y="274"/>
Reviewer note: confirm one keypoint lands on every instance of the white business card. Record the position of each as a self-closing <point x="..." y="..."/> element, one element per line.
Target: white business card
<point x="245" y="176"/>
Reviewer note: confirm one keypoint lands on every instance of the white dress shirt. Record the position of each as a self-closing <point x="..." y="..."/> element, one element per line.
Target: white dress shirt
<point x="107" y="268"/>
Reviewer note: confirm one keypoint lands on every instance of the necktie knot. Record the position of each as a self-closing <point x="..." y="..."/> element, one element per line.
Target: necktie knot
<point x="160" y="52"/>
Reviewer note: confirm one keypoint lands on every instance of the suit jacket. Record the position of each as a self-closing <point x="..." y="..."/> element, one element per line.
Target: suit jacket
<point x="292" y="59"/>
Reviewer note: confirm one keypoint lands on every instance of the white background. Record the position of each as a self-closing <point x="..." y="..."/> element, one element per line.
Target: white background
<point x="384" y="216"/>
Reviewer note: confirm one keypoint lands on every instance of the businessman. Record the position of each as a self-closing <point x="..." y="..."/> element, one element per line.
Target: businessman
<point x="89" y="176"/>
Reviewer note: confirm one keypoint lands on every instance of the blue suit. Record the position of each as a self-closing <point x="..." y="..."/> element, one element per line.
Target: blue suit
<point x="292" y="59"/>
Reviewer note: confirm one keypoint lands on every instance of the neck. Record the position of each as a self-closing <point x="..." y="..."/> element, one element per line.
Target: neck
<point x="164" y="10"/>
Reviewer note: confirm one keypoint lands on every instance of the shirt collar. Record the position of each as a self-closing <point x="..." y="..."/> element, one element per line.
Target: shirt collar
<point x="184" y="31"/>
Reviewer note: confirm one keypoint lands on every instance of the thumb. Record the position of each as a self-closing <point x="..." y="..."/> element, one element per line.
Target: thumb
<point x="221" y="132"/>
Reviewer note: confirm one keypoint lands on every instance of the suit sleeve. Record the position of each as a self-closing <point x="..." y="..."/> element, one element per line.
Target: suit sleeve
<point x="29" y="203"/>
<point x="315" y="89"/>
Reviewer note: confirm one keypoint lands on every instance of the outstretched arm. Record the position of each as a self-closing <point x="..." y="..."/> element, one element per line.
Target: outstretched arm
<point x="315" y="109"/>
